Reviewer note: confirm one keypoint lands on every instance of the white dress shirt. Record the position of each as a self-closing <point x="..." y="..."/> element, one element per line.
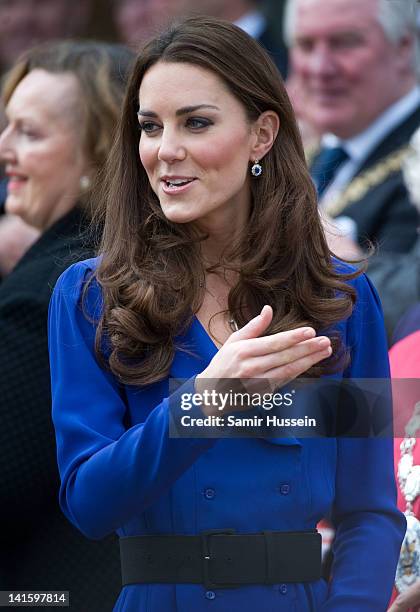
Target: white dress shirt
<point x="253" y="23"/>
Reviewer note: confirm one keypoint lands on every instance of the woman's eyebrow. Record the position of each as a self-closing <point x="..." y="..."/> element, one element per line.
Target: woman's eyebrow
<point x="181" y="111"/>
<point x="190" y="109"/>
<point x="146" y="113"/>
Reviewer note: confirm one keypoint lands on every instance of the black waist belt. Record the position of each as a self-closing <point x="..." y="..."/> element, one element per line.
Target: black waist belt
<point x="222" y="558"/>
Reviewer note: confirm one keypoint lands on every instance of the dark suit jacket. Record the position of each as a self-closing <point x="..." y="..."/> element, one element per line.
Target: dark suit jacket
<point x="3" y="193"/>
<point x="39" y="549"/>
<point x="385" y="214"/>
<point x="277" y="50"/>
<point x="396" y="276"/>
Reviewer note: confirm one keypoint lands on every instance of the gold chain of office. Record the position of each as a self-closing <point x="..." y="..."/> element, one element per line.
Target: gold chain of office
<point x="365" y="181"/>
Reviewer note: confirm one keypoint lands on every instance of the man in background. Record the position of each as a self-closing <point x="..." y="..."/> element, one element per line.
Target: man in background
<point x="354" y="63"/>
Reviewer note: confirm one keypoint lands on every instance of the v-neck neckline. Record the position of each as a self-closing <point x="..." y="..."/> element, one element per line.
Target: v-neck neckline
<point x="209" y="341"/>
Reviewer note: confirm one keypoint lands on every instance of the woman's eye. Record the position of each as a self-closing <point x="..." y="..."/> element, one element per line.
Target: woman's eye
<point x="149" y="127"/>
<point x="27" y="131"/>
<point x="198" y="122"/>
<point x="30" y="134"/>
<point x="194" y="123"/>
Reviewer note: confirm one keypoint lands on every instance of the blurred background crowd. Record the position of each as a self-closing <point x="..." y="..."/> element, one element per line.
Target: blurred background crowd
<point x="351" y="69"/>
<point x="25" y="23"/>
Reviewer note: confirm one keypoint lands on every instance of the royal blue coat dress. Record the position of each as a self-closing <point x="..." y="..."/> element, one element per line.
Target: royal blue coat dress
<point x="121" y="471"/>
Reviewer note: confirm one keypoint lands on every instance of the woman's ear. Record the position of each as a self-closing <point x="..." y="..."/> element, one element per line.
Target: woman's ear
<point x="265" y="130"/>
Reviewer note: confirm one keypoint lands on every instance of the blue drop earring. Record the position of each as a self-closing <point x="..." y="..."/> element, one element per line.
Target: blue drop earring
<point x="256" y="169"/>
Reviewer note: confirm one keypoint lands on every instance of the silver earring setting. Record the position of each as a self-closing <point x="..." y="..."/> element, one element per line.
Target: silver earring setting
<point x="84" y="182"/>
<point x="256" y="169"/>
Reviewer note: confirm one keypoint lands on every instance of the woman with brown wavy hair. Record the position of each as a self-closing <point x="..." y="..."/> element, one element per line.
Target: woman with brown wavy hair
<point x="214" y="266"/>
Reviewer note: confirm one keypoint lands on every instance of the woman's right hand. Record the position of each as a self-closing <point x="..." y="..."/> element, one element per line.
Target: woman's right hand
<point x="278" y="358"/>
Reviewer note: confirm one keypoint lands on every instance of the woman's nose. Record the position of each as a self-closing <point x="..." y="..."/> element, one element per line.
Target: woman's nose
<point x="171" y="147"/>
<point x="6" y="145"/>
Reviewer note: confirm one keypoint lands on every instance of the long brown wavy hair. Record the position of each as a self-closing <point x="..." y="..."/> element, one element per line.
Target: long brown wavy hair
<point x="150" y="269"/>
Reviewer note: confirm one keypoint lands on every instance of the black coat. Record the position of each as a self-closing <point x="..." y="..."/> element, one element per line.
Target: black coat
<point x="396" y="276"/>
<point x="384" y="213"/>
<point x="39" y="548"/>
<point x="276" y="49"/>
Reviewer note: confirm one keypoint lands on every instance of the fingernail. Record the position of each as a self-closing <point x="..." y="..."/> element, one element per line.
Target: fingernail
<point x="309" y="333"/>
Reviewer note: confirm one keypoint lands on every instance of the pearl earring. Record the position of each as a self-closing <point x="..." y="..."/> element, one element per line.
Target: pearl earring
<point x="84" y="182"/>
<point x="256" y="169"/>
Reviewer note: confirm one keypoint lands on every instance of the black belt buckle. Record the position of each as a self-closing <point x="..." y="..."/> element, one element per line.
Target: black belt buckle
<point x="206" y="558"/>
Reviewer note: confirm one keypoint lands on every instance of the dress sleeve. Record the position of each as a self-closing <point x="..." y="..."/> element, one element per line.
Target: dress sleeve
<point x="370" y="529"/>
<point x="109" y="474"/>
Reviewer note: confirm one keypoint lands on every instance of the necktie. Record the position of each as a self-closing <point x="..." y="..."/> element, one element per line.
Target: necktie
<point x="326" y="165"/>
